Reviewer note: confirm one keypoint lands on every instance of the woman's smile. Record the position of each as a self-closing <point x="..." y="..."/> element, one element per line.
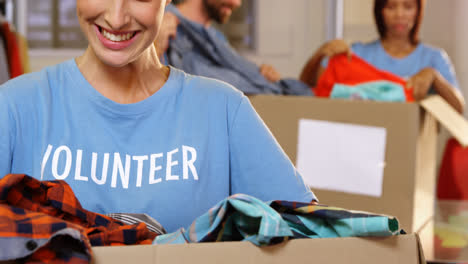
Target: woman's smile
<point x="115" y="40"/>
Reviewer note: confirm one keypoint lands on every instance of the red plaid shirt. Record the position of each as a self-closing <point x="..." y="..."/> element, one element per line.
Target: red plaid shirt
<point x="43" y="222"/>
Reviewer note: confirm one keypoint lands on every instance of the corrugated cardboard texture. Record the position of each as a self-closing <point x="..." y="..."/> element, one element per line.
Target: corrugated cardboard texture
<point x="398" y="249"/>
<point x="402" y="121"/>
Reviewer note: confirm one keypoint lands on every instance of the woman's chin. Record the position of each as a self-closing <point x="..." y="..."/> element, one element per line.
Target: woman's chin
<point x="400" y="33"/>
<point x="114" y="60"/>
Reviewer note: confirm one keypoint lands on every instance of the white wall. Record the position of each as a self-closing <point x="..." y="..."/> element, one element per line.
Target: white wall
<point x="459" y="52"/>
<point x="438" y="24"/>
<point x="358" y="21"/>
<point x="288" y="34"/>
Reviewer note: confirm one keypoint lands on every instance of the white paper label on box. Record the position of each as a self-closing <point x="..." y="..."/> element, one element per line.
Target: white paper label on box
<point x="342" y="157"/>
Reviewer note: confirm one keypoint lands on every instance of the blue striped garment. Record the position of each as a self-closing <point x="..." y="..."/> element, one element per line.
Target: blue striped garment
<point x="245" y="218"/>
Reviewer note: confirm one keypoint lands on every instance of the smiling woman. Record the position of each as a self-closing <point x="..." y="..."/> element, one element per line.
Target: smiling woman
<point x="398" y="50"/>
<point x="131" y="135"/>
<point x="117" y="19"/>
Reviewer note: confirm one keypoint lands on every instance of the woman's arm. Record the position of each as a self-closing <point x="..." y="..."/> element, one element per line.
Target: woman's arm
<point x="445" y="81"/>
<point x="427" y="77"/>
<point x="313" y="68"/>
<point x="258" y="165"/>
<point x="6" y="134"/>
<point x="449" y="92"/>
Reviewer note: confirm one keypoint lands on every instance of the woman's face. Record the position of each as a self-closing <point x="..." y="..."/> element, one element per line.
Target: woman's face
<point x="400" y="17"/>
<point x="118" y="31"/>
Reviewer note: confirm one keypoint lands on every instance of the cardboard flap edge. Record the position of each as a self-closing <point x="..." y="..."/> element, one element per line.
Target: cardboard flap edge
<point x="454" y="122"/>
<point x="422" y="259"/>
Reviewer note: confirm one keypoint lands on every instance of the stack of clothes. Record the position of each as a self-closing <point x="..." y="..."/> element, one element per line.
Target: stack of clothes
<point x="353" y="78"/>
<point x="245" y="218"/>
<point x="43" y="222"/>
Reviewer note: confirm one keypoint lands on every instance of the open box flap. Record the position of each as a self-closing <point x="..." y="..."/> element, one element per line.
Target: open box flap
<point x="454" y="122"/>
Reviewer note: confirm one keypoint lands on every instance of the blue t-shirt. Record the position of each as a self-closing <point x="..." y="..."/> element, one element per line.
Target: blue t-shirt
<point x="423" y="56"/>
<point x="173" y="155"/>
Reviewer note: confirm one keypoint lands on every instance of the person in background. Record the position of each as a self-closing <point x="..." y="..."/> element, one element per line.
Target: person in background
<point x="191" y="43"/>
<point x="129" y="134"/>
<point x="398" y="50"/>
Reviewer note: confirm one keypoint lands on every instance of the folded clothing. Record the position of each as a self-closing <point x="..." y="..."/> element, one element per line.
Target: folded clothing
<point x="239" y="217"/>
<point x="244" y="218"/>
<point x="375" y="91"/>
<point x="43" y="222"/>
<point x="322" y="221"/>
<point x="354" y="71"/>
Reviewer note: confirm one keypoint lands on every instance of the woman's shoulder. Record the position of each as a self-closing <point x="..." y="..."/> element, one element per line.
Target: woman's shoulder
<point x="207" y="95"/>
<point x="205" y="86"/>
<point x="37" y="78"/>
<point x="363" y="48"/>
<point x="24" y="86"/>
<point x="365" y="45"/>
<point x="35" y="81"/>
<point x="436" y="56"/>
<point x="429" y="49"/>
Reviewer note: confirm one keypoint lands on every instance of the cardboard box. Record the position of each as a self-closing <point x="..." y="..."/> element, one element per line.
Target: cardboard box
<point x="409" y="177"/>
<point x="398" y="249"/>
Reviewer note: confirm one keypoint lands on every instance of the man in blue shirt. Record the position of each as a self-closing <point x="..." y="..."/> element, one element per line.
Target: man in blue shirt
<point x="198" y="48"/>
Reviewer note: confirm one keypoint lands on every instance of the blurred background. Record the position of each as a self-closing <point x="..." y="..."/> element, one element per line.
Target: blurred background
<point x="266" y="31"/>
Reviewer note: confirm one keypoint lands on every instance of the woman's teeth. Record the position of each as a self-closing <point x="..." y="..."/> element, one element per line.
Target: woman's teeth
<point x="116" y="38"/>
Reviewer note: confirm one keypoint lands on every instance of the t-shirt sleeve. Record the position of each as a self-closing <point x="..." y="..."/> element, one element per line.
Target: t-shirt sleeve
<point x="6" y="135"/>
<point x="444" y="66"/>
<point x="259" y="167"/>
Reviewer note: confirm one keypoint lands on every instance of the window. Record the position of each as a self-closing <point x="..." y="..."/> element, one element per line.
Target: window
<point x="49" y="23"/>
